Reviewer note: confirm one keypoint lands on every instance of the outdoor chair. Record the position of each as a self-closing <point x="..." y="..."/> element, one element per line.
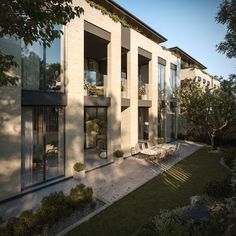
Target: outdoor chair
<point x="144" y="153"/>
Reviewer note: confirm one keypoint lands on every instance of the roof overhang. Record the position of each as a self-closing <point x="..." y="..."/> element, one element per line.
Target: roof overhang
<point x="132" y="20"/>
<point x="187" y="58"/>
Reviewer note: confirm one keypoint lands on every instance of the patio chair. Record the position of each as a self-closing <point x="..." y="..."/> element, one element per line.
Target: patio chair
<point x="176" y="153"/>
<point x="144" y="153"/>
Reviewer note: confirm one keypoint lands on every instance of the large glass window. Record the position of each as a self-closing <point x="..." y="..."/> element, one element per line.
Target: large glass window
<point x="173" y="82"/>
<point x="143" y="123"/>
<point x="42" y="66"/>
<point x="96" y="128"/>
<point x="162" y="102"/>
<point x="42" y="144"/>
<point x="161" y="81"/>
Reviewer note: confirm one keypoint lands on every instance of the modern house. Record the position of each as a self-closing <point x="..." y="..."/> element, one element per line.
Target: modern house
<point x="105" y="85"/>
<point x="194" y="70"/>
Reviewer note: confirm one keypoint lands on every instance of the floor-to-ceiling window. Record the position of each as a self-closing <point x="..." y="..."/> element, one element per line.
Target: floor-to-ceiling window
<point x="171" y="105"/>
<point x="42" y="66"/>
<point x="42" y="115"/>
<point x="95" y="136"/>
<point x="161" y="100"/>
<point x="42" y="144"/>
<point x="143" y="123"/>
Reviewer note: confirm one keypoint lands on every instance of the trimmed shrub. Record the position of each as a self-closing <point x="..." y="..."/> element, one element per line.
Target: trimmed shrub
<point x="78" y="166"/>
<point x="118" y="153"/>
<point x="229" y="156"/>
<point x="219" y="189"/>
<point x="217" y="220"/>
<point x="54" y="207"/>
<point x="79" y="195"/>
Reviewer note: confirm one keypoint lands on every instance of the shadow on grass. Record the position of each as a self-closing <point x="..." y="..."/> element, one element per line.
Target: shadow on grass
<point x="171" y="189"/>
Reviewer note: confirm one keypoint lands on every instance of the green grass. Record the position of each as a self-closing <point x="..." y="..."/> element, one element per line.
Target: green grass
<point x="168" y="190"/>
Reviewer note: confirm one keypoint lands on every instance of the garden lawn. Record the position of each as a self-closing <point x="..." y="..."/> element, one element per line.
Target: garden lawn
<point x="171" y="189"/>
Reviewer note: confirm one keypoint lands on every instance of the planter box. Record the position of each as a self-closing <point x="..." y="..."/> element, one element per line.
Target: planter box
<point x="144" y="97"/>
<point x="79" y="175"/>
<point x="118" y="160"/>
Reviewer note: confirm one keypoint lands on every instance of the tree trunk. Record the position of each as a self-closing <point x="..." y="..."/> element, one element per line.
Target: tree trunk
<point x="213" y="141"/>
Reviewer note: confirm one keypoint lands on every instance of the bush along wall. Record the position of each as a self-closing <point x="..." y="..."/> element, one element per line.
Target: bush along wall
<point x="54" y="208"/>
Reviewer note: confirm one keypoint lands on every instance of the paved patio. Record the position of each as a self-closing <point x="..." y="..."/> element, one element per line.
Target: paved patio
<point x="109" y="183"/>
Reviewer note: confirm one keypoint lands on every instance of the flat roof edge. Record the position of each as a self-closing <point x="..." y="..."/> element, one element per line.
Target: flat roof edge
<point x="180" y="51"/>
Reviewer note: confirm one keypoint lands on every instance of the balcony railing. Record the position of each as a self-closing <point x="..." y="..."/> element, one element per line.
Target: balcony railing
<point x="143" y="91"/>
<point x="94" y="84"/>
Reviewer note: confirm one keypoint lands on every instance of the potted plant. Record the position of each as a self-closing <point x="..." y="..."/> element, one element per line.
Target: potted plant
<point x="123" y="91"/>
<point x="118" y="156"/>
<point x="142" y="92"/>
<point x="79" y="171"/>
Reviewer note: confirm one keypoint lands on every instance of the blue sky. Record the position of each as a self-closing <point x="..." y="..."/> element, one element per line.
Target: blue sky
<point x="188" y="24"/>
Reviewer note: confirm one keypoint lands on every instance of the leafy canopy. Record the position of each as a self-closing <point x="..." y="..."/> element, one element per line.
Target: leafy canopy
<point x="227" y="16"/>
<point x="32" y="21"/>
<point x="208" y="110"/>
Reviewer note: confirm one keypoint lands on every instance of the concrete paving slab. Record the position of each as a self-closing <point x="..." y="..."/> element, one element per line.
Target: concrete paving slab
<point x="110" y="183"/>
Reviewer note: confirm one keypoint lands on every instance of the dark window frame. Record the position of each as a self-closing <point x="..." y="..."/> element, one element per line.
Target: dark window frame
<point x="45" y="181"/>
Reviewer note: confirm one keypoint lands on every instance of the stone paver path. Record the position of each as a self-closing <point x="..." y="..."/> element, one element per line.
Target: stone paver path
<point x="117" y="180"/>
<point x="110" y="183"/>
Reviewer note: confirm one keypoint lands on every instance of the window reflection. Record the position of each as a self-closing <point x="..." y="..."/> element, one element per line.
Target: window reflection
<point x="42" y="144"/>
<point x="41" y="67"/>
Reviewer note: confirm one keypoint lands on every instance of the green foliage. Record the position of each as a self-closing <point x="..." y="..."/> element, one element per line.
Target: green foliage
<point x="219" y="189"/>
<point x="207" y="111"/>
<point x="229" y="156"/>
<point x="227" y="16"/>
<point x="160" y="140"/>
<point x="141" y="90"/>
<point x="6" y="63"/>
<point x="78" y="166"/>
<point x="218" y="220"/>
<point x="80" y="194"/>
<point x="118" y="153"/>
<point x="32" y="21"/>
<point x="113" y="16"/>
<point x="54" y="207"/>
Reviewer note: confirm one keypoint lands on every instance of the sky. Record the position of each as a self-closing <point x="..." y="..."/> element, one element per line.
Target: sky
<point x="188" y="24"/>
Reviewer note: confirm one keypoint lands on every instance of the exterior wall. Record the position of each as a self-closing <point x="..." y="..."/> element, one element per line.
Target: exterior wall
<point x="193" y="73"/>
<point x="10" y="128"/>
<point x="122" y="126"/>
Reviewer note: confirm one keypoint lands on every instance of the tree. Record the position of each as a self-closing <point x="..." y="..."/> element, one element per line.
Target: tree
<point x="227" y="15"/>
<point x="32" y="21"/>
<point x="209" y="111"/>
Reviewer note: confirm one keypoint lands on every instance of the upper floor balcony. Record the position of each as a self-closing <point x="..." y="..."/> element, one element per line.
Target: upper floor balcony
<point x="95" y="84"/>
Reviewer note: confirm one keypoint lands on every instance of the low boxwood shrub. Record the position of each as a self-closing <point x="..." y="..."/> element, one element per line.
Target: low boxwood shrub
<point x="217" y="220"/>
<point x="54" y="207"/>
<point x="79" y="195"/>
<point x="219" y="189"/>
<point x="118" y="153"/>
<point x="229" y="156"/>
<point x="78" y="166"/>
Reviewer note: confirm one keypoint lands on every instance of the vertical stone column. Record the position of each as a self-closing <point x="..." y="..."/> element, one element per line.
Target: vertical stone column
<point x="114" y="91"/>
<point x="74" y="71"/>
<point x="133" y="87"/>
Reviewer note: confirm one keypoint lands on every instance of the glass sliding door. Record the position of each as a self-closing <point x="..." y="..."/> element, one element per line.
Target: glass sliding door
<point x="96" y="128"/>
<point x="143" y="123"/>
<point x="54" y="142"/>
<point x="32" y="146"/>
<point x="42" y="144"/>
